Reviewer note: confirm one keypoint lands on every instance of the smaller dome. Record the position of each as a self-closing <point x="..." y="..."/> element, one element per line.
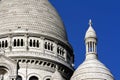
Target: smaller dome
<point x="92" y="70"/>
<point x="57" y="76"/>
<point x="90" y="32"/>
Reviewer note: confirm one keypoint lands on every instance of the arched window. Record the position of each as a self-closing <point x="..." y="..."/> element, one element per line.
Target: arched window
<point x="30" y="42"/>
<point x="45" y="45"/>
<point x="22" y="43"/>
<point x="6" y="43"/>
<point x="3" y="72"/>
<point x="48" y="46"/>
<point x="19" y="78"/>
<point x="18" y="42"/>
<point x="51" y="47"/>
<point x="37" y="43"/>
<point x="48" y="79"/>
<point x="14" y="42"/>
<point x="33" y="78"/>
<point x="62" y="52"/>
<point x="33" y="43"/>
<point x="90" y="48"/>
<point x="58" y="50"/>
<point x="2" y="43"/>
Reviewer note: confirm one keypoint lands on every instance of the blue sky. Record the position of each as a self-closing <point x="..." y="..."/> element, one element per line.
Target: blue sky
<point x="105" y="15"/>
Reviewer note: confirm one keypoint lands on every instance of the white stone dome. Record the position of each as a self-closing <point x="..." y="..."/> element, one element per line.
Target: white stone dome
<point x="34" y="16"/>
<point x="92" y="70"/>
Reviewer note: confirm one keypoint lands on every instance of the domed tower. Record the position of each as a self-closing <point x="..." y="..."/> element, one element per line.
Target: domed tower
<point x="91" y="68"/>
<point x="33" y="41"/>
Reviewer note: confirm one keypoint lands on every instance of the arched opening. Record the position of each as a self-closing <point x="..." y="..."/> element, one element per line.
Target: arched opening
<point x="33" y="78"/>
<point x="48" y="79"/>
<point x="90" y="48"/>
<point x="48" y="46"/>
<point x="30" y="43"/>
<point x="58" y="50"/>
<point x="2" y="44"/>
<point x="51" y="47"/>
<point x="14" y="42"/>
<point x="34" y="43"/>
<point x="18" y="42"/>
<point x="38" y="43"/>
<point x="63" y="52"/>
<point x="19" y="77"/>
<point x="45" y="45"/>
<point x="4" y="74"/>
<point x="22" y="43"/>
<point x="6" y="43"/>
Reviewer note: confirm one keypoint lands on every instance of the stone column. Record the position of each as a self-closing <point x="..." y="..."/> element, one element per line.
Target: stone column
<point x="87" y="47"/>
<point x="55" y="48"/>
<point x="26" y="41"/>
<point x="65" y="55"/>
<point x="94" y="47"/>
<point x="42" y="44"/>
<point x="10" y="42"/>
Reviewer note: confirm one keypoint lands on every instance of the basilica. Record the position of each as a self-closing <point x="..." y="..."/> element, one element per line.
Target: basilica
<point x="34" y="45"/>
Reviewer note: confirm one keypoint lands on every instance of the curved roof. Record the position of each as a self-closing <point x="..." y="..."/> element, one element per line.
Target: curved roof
<point x="90" y="32"/>
<point x="33" y="16"/>
<point x="92" y="70"/>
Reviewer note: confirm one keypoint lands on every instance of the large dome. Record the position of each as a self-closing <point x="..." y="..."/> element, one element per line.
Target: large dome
<point x="34" y="16"/>
<point x="32" y="34"/>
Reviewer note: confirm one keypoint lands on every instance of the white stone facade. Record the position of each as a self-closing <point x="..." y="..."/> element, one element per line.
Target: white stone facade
<point x="33" y="38"/>
<point x="34" y="45"/>
<point x="36" y="56"/>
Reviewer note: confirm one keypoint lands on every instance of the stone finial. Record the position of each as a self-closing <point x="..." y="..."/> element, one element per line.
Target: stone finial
<point x="90" y="22"/>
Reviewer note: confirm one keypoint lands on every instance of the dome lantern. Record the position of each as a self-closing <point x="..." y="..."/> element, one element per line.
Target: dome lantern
<point x="91" y="42"/>
<point x="90" y="32"/>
